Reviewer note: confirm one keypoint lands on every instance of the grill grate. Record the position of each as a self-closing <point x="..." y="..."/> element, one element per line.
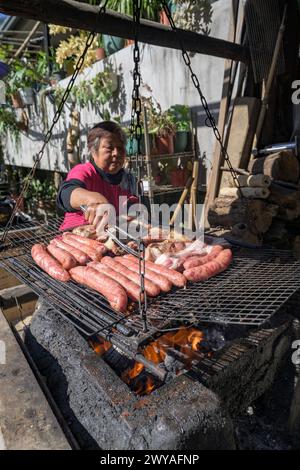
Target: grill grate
<point x="255" y="287"/>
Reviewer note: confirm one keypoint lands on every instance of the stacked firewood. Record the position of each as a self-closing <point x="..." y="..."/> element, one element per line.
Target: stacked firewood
<point x="270" y="211"/>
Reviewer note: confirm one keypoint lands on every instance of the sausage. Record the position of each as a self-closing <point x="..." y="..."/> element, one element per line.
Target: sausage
<point x="79" y="255"/>
<point x="66" y="259"/>
<point x="161" y="281"/>
<point x="90" y="252"/>
<point x="48" y="264"/>
<point x="176" y="278"/>
<point x="97" y="246"/>
<point x="200" y="260"/>
<point x="132" y="289"/>
<point x="210" y="269"/>
<point x="151" y="289"/>
<point x="110" y="289"/>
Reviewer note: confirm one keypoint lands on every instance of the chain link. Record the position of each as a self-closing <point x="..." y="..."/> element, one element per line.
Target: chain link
<point x="136" y="132"/>
<point x="38" y="157"/>
<point x="210" y="120"/>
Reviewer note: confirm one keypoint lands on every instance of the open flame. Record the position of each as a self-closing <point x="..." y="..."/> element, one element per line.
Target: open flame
<point x="186" y="340"/>
<point x="100" y="346"/>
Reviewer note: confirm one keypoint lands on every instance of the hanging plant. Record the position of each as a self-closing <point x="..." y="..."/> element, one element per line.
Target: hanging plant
<point x="73" y="47"/>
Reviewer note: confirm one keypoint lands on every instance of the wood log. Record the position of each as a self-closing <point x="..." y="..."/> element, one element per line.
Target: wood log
<point x="79" y="15"/>
<point x="254" y="181"/>
<point x="288" y="201"/>
<point x="278" y="234"/>
<point x="282" y="166"/>
<point x="228" y="212"/>
<point x="242" y="233"/>
<point x="248" y="192"/>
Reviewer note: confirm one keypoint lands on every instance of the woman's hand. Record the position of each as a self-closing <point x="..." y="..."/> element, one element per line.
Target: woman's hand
<point x="100" y="215"/>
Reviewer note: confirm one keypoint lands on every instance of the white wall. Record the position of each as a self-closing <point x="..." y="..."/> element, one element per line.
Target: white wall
<point x="163" y="70"/>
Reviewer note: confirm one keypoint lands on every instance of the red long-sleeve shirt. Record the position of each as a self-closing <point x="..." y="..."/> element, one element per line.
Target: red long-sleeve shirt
<point x="90" y="177"/>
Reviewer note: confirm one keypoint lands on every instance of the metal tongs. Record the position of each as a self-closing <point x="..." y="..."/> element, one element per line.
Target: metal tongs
<point x="114" y="232"/>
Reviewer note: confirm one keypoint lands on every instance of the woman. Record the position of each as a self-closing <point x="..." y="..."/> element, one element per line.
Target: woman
<point x="99" y="182"/>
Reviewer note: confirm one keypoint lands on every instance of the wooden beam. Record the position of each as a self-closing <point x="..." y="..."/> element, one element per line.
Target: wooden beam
<point x="83" y="16"/>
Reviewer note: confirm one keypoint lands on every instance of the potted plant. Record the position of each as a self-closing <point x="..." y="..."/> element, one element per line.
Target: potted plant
<point x="70" y="49"/>
<point x="150" y="10"/>
<point x="161" y="127"/>
<point x="21" y="83"/>
<point x="180" y="116"/>
<point x="131" y="145"/>
<point x="100" y="51"/>
<point x="112" y="44"/>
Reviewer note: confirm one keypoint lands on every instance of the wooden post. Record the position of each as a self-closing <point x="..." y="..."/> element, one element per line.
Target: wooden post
<point x="215" y="176"/>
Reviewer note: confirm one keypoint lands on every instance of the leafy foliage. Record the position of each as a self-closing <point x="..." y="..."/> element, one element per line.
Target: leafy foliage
<point x="8" y="123"/>
<point x="180" y="116"/>
<point x="41" y="190"/>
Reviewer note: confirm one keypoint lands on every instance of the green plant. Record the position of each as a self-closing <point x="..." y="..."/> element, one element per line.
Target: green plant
<point x="150" y="8"/>
<point x="82" y="93"/>
<point x="97" y="91"/>
<point x="72" y="47"/>
<point x="8" y="123"/>
<point x="44" y="190"/>
<point x="159" y="122"/>
<point x="42" y="63"/>
<point x="102" y="87"/>
<point x="180" y="116"/>
<point x="58" y="93"/>
<point x="100" y="40"/>
<point x="21" y="76"/>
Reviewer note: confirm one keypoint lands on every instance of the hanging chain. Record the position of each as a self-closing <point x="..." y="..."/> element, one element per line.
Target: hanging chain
<point x="38" y="157"/>
<point x="210" y="120"/>
<point x="136" y="131"/>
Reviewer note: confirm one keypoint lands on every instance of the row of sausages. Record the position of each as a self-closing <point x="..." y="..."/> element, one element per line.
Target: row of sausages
<point x="65" y="253"/>
<point x="117" y="279"/>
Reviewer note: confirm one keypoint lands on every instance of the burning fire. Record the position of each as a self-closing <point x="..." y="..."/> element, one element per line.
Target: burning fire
<point x="100" y="346"/>
<point x="187" y="341"/>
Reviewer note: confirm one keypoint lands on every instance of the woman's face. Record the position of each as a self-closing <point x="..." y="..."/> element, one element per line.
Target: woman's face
<point x="111" y="154"/>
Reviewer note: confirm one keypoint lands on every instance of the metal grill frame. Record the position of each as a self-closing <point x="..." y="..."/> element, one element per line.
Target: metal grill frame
<point x="250" y="292"/>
